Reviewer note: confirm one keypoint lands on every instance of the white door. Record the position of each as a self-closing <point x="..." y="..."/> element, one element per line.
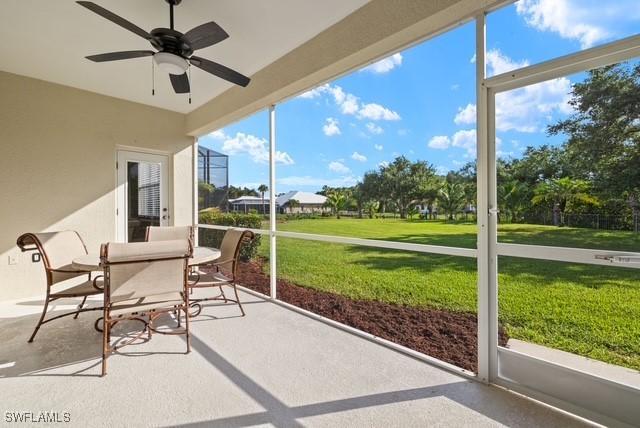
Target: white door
<point x="574" y="322"/>
<point x="142" y="194"/>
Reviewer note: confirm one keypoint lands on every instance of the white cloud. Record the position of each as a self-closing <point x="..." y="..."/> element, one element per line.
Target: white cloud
<point x="256" y="148"/>
<point x="439" y="142"/>
<point x="346" y="181"/>
<point x="378" y="147"/>
<point x="375" y="111"/>
<point x="331" y="127"/>
<point x="339" y="167"/>
<point x="374" y="129"/>
<point x="465" y="139"/>
<point x="473" y="59"/>
<point x="498" y="63"/>
<point x="385" y="65"/>
<point x="350" y="104"/>
<point x="526" y="109"/>
<point x="383" y="164"/>
<point x="583" y="20"/>
<point x="218" y="135"/>
<point x="313" y="93"/>
<point x="466" y="116"/>
<point x="455" y="86"/>
<point x="357" y="156"/>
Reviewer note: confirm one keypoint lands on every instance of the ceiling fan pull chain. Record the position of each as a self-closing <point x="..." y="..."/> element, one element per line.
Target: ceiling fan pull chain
<point x="153" y="78"/>
<point x="190" y="83"/>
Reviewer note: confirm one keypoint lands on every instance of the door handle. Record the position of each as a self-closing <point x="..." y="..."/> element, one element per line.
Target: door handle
<point x="618" y="259"/>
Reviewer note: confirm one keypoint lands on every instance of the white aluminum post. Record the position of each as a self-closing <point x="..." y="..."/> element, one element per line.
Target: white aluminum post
<point x="194" y="191"/>
<point x="272" y="201"/>
<point x="482" y="209"/>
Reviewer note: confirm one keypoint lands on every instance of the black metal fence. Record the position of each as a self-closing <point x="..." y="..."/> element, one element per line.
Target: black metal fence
<point x="588" y="221"/>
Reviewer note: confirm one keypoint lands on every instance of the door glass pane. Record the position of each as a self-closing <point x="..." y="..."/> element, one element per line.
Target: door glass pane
<point x="143" y="198"/>
<point x="569" y="161"/>
<point x="568" y="177"/>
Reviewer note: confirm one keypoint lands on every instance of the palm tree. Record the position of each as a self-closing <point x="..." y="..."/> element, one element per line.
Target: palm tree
<point x="451" y="198"/>
<point x="337" y="200"/>
<point x="513" y="195"/>
<point x="371" y="207"/>
<point x="262" y="189"/>
<point x="204" y="191"/>
<point x="293" y="203"/>
<point x="563" y="193"/>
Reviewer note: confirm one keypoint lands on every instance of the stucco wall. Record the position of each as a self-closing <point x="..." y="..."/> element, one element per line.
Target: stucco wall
<point x="57" y="167"/>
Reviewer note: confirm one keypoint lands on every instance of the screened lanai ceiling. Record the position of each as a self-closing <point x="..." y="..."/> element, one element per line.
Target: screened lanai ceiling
<point x="50" y="39"/>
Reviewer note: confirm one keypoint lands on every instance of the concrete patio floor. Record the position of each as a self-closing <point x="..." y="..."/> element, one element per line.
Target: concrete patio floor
<point x="274" y="367"/>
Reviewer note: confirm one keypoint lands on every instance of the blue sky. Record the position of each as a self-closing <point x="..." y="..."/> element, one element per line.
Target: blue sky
<point x="421" y="102"/>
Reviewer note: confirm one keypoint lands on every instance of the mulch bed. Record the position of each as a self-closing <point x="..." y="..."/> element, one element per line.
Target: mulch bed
<point x="448" y="336"/>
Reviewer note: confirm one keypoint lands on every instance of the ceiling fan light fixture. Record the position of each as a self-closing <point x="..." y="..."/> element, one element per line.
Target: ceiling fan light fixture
<point x="170" y="63"/>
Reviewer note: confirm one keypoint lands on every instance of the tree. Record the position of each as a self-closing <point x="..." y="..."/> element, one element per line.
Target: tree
<point x="371" y="207"/>
<point x="336" y="200"/>
<point x="513" y="196"/>
<point x="236" y="192"/>
<point x="262" y="189"/>
<point x="451" y="198"/>
<point x="604" y="131"/>
<point x="404" y="182"/>
<point x="293" y="203"/>
<point x="563" y="193"/>
<point x="204" y="191"/>
<point x="413" y="210"/>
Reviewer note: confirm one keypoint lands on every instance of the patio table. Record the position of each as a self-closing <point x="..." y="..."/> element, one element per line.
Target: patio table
<point x="201" y="255"/>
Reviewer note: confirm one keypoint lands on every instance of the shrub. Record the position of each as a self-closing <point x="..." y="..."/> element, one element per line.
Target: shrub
<point x="213" y="237"/>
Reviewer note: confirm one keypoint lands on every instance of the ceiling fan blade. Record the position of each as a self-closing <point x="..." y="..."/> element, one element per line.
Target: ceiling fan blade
<point x="180" y="83"/>
<point x="205" y="35"/>
<point x="220" y="70"/>
<point x="116" y="56"/>
<point x="115" y="19"/>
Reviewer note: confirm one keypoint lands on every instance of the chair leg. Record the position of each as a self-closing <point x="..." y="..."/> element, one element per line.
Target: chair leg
<point x="235" y="290"/>
<point x="75" y="317"/>
<point x="179" y="318"/>
<point x="105" y="346"/>
<point x="149" y="326"/>
<point x="186" y="323"/>
<point x="223" y="296"/>
<point x="44" y="312"/>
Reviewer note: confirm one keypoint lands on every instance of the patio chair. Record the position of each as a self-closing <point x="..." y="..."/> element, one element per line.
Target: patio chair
<point x="144" y="280"/>
<point x="169" y="233"/>
<point x="225" y="269"/>
<point x="58" y="249"/>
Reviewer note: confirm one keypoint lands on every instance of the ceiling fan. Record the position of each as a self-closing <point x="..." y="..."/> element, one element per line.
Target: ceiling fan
<point x="174" y="49"/>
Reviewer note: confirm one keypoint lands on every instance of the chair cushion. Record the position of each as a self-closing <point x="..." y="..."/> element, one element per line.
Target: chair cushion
<point x="115" y="252"/>
<point x="168" y="233"/>
<point x="158" y="301"/>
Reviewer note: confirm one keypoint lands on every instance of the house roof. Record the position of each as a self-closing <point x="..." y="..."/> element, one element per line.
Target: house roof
<point x="249" y="200"/>
<point x="302" y="197"/>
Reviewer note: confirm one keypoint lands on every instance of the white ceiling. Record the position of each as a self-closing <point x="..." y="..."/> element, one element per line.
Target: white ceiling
<point x="48" y="40"/>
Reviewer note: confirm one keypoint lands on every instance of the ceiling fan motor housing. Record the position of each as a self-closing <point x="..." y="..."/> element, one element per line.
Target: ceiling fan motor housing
<point x="171" y="41"/>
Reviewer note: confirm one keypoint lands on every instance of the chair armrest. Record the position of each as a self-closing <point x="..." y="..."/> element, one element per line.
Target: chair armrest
<point x="219" y="262"/>
<point x="95" y="283"/>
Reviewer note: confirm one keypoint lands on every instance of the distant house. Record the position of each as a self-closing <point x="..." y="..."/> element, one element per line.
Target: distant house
<point x="244" y="204"/>
<point x="305" y="202"/>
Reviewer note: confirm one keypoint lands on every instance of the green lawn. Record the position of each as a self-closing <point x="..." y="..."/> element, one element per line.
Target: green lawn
<point x="589" y="310"/>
